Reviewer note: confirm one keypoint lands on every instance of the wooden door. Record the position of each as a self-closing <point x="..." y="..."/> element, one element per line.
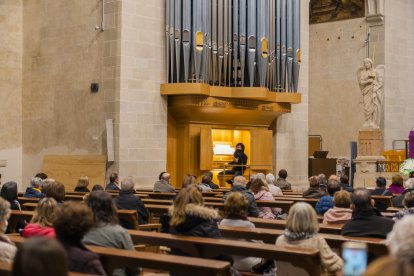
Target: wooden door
<point x="206" y="149"/>
<point x="261" y="143"/>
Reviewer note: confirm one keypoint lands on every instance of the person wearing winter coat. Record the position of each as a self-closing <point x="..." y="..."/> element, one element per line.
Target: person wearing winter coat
<point x="326" y="202"/>
<point x="7" y="248"/>
<point x="163" y="184"/>
<point x="341" y="212"/>
<point x="302" y="231"/>
<point x="396" y="186"/>
<point x="35" y="189"/>
<point x="313" y="191"/>
<point x="189" y="217"/>
<point x="128" y="200"/>
<point x="261" y="192"/>
<point x="239" y="185"/>
<point x="273" y="189"/>
<point x="42" y="221"/>
<point x="408" y="203"/>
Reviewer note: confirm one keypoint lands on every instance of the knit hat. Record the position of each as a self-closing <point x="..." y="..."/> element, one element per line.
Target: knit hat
<point x="36" y="182"/>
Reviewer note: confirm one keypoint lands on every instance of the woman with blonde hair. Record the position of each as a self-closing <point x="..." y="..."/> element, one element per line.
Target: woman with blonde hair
<point x="7" y="248"/>
<point x="82" y="185"/>
<point x="261" y="192"/>
<point x="189" y="180"/>
<point x="341" y="212"/>
<point x="302" y="231"/>
<point x="42" y="221"/>
<point x="188" y="216"/>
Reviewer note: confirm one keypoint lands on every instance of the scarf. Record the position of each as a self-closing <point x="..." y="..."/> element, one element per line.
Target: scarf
<point x="290" y="236"/>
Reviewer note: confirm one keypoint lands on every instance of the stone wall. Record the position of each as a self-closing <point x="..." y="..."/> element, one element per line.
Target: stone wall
<point x="142" y="111"/>
<point x="62" y="56"/>
<point x="399" y="71"/>
<point x="335" y="110"/>
<point x="291" y="130"/>
<point x="11" y="28"/>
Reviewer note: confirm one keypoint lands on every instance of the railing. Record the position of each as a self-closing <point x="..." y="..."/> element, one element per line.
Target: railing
<point x="225" y="167"/>
<point x="388" y="166"/>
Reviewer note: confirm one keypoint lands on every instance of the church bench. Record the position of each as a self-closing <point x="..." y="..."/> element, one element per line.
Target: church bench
<point x="74" y="197"/>
<point x="285" y="205"/>
<point x="114" y="258"/>
<point x="394" y="209"/>
<point x="387" y="200"/>
<point x="311" y="201"/>
<point x="29" y="206"/>
<point x="6" y="270"/>
<point x="23" y="200"/>
<point x="305" y="258"/>
<point x="281" y="224"/>
<point x="376" y="246"/>
<point x="157" y="195"/>
<point x="17" y="216"/>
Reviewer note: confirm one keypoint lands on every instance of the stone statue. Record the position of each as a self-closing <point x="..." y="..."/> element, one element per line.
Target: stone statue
<point x="371" y="83"/>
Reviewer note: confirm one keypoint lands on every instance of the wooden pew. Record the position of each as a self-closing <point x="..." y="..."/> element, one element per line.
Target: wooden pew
<point x="23" y="200"/>
<point x="114" y="258"/>
<point x="285" y="205"/>
<point x="305" y="258"/>
<point x="281" y="224"/>
<point x="387" y="200"/>
<point x="376" y="246"/>
<point x="311" y="201"/>
<point x="394" y="209"/>
<point x="17" y="216"/>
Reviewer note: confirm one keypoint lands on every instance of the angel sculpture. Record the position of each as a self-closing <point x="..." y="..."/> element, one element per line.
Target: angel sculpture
<point x="371" y="83"/>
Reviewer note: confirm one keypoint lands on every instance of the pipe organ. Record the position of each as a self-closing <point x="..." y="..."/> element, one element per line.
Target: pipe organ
<point x="234" y="43"/>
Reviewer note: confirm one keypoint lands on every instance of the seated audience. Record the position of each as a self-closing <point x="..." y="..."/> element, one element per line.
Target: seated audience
<point x="313" y="191"/>
<point x="106" y="231"/>
<point x="334" y="177"/>
<point x="282" y="182"/>
<point x="40" y="257"/>
<point x="235" y="211"/>
<point x="82" y="185"/>
<point x="239" y="185"/>
<point x="396" y="186"/>
<point x="409" y="187"/>
<point x="35" y="189"/>
<point x="323" y="182"/>
<point x="41" y="175"/>
<point x="42" y="220"/>
<point x="400" y="242"/>
<point x="113" y="183"/>
<point x="163" y="184"/>
<point x="260" y="192"/>
<point x="341" y="212"/>
<point x="326" y="202"/>
<point x="344" y="181"/>
<point x="189" y="180"/>
<point x="7" y="248"/>
<point x="408" y="203"/>
<point x="128" y="200"/>
<point x="366" y="220"/>
<point x="273" y="189"/>
<point x="189" y="217"/>
<point x="302" y="231"/>
<point x="9" y="193"/>
<point x="381" y="190"/>
<point x="97" y="187"/>
<point x="204" y="186"/>
<point x="46" y="183"/>
<point x="56" y="190"/>
<point x="73" y="221"/>
<point x="212" y="185"/>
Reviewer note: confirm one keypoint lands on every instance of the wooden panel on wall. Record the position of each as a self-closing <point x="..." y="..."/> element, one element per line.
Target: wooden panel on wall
<point x="172" y="148"/>
<point x="261" y="149"/>
<point x="314" y="144"/>
<point x="206" y="149"/>
<point x="68" y="168"/>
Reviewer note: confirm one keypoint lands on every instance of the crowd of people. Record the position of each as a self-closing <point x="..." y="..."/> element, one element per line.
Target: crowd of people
<point x="64" y="228"/>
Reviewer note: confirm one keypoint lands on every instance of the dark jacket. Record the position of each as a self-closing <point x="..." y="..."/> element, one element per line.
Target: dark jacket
<point x="313" y="192"/>
<point x="346" y="187"/>
<point x="200" y="222"/>
<point x="111" y="187"/>
<point x="30" y="192"/>
<point x="381" y="206"/>
<point x="283" y="184"/>
<point x="214" y="186"/>
<point x="127" y="200"/>
<point x="82" y="260"/>
<point x="82" y="190"/>
<point x="252" y="211"/>
<point x="324" y="204"/>
<point x="367" y="223"/>
<point x="398" y="200"/>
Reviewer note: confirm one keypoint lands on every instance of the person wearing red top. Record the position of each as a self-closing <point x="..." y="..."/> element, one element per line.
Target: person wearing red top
<point x="397" y="185"/>
<point x="42" y="221"/>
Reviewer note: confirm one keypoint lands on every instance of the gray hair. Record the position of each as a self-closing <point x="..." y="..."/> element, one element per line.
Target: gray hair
<point x="127" y="184"/>
<point x="258" y="175"/>
<point x="322" y="179"/>
<point x="409" y="183"/>
<point x="47" y="182"/>
<point x="239" y="181"/>
<point x="36" y="182"/>
<point x="401" y="241"/>
<point x="270" y="178"/>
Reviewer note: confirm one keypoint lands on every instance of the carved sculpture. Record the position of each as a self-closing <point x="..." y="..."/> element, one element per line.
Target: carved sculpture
<point x="371" y="83"/>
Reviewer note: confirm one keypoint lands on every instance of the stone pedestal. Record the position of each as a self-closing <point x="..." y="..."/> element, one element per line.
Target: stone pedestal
<point x="370" y="147"/>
